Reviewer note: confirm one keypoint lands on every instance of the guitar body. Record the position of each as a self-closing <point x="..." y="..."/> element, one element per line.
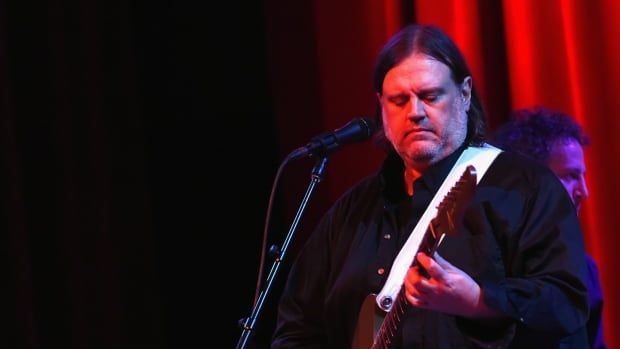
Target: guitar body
<point x="368" y="323"/>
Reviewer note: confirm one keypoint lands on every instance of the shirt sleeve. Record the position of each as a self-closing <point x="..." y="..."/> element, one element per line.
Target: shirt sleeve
<point x="544" y="290"/>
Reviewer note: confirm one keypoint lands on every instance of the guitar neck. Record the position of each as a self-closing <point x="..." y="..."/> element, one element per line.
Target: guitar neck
<point x="384" y="338"/>
<point x="389" y="328"/>
<point x="448" y="219"/>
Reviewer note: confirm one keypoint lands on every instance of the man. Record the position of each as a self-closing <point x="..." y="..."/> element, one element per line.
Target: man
<point x="512" y="276"/>
<point x="554" y="139"/>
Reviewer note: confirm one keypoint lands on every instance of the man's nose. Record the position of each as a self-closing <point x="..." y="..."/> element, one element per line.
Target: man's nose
<point x="582" y="188"/>
<point x="416" y="111"/>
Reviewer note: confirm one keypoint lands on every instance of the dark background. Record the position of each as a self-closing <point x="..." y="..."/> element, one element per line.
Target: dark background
<point x="138" y="152"/>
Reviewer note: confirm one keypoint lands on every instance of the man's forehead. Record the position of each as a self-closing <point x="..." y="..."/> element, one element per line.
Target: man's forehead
<point x="418" y="72"/>
<point x="567" y="153"/>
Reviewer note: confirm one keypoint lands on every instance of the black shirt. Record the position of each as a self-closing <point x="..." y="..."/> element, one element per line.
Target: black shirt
<point x="521" y="242"/>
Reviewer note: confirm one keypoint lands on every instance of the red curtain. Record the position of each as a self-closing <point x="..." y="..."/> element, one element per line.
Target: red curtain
<point x="555" y="53"/>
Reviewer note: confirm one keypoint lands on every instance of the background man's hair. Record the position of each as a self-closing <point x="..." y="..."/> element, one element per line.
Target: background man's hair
<point x="533" y="131"/>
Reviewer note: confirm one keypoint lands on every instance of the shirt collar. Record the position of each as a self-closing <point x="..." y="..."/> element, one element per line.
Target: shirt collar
<point x="392" y="175"/>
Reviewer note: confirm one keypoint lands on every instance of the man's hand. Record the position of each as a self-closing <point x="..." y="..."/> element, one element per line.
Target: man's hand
<point x="448" y="290"/>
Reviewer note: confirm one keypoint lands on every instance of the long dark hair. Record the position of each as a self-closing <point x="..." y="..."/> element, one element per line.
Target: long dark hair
<point x="433" y="42"/>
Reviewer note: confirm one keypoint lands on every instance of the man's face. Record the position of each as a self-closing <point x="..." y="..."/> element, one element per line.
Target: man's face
<point x="424" y="111"/>
<point x="566" y="161"/>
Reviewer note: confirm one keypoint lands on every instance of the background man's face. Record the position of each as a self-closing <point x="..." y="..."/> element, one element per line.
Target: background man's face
<point x="566" y="161"/>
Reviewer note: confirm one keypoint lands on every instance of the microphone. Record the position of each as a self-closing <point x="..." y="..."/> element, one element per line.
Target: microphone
<point x="356" y="130"/>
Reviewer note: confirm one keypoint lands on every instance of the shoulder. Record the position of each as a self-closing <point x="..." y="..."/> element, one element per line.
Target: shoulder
<point x="516" y="183"/>
<point x="515" y="170"/>
<point x="364" y="192"/>
<point x="357" y="206"/>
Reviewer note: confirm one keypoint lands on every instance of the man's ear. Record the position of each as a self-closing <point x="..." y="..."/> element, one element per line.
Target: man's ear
<point x="466" y="87"/>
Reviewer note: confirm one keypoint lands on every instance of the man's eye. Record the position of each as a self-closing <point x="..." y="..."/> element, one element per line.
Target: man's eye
<point x="571" y="176"/>
<point x="399" y="100"/>
<point x="431" y="98"/>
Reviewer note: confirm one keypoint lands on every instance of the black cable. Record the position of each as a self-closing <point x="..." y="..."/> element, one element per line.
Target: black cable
<point x="263" y="257"/>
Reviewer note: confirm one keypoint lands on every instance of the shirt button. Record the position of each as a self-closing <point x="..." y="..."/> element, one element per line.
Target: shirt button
<point x="380" y="271"/>
<point x="387" y="236"/>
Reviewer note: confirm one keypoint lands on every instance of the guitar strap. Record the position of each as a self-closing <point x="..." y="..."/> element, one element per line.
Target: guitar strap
<point x="481" y="158"/>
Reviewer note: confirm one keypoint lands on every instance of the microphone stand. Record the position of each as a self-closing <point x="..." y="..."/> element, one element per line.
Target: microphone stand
<point x="318" y="173"/>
